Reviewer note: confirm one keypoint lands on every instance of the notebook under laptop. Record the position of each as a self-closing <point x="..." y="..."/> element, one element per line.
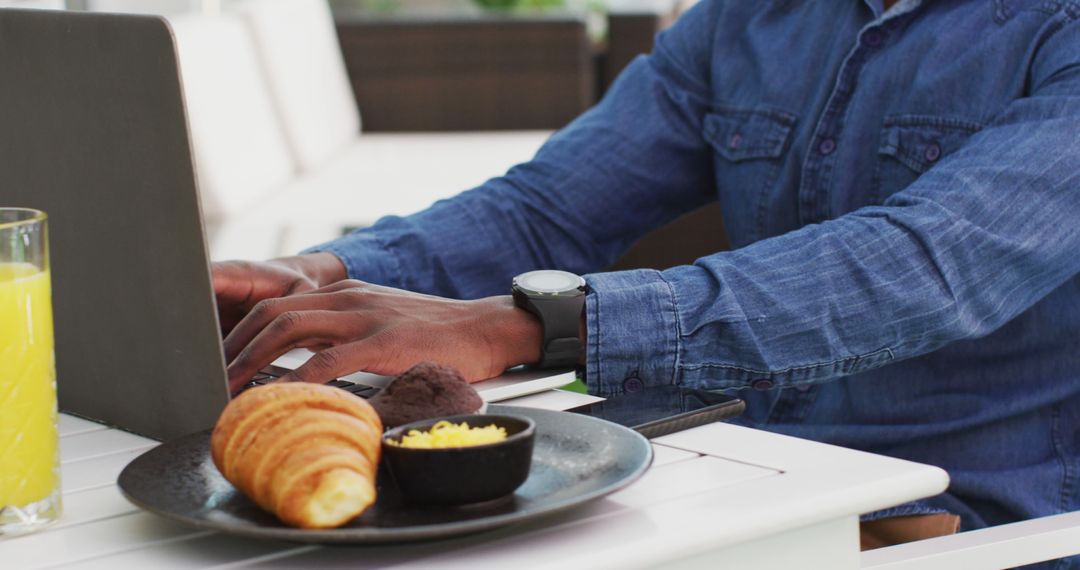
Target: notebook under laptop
<point x="93" y="131"/>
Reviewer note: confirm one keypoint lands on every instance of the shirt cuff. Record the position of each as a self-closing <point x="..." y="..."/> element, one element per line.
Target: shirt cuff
<point x="633" y="332"/>
<point x="364" y="257"/>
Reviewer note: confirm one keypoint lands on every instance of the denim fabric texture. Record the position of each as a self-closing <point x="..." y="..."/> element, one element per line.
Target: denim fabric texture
<point x="902" y="192"/>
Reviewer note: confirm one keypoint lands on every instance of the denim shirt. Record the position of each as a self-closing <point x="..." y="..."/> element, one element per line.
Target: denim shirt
<point x="902" y="191"/>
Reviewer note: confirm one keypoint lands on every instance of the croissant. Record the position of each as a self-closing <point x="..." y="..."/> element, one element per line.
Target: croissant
<point x="307" y="453"/>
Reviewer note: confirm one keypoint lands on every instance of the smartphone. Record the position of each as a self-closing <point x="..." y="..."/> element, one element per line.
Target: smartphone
<point x="661" y="410"/>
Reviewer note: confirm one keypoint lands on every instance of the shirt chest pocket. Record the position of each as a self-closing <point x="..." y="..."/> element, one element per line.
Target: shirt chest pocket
<point x="912" y="144"/>
<point x="749" y="146"/>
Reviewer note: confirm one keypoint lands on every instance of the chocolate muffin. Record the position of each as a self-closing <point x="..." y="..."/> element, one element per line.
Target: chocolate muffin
<point x="424" y="391"/>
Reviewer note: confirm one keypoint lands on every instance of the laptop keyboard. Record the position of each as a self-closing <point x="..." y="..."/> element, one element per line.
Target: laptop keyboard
<point x="272" y="373"/>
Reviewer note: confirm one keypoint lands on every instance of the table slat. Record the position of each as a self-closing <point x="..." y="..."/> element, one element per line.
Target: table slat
<point x="767" y="449"/>
<point x="70" y="425"/>
<point x="91" y="505"/>
<point x="196" y="552"/>
<point x="102" y="442"/>
<point x="97" y="471"/>
<point x="65" y="545"/>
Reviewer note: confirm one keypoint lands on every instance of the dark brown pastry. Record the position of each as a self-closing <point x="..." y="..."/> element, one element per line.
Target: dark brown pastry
<point x="425" y="391"/>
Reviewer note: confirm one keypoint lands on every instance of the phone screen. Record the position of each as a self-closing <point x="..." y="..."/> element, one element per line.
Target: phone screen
<point x="659" y="410"/>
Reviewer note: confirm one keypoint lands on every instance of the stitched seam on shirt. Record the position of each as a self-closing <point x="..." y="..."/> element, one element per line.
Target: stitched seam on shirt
<point x="902" y="120"/>
<point x="780" y="115"/>
<point x="601" y="381"/>
<point x="678" y="329"/>
<point x="868" y="355"/>
<point x="1068" y="478"/>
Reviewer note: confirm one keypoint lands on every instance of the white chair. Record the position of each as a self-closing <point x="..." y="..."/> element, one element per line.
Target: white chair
<point x="35" y="4"/>
<point x="240" y="149"/>
<point x="387" y="174"/>
<point x="999" y="547"/>
<point x="143" y="6"/>
<point x="347" y="179"/>
<point x="305" y="71"/>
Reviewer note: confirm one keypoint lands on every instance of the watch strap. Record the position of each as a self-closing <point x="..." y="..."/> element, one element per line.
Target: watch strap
<point x="560" y="319"/>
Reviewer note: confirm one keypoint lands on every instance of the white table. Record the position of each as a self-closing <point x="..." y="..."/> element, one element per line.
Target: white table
<point x="718" y="496"/>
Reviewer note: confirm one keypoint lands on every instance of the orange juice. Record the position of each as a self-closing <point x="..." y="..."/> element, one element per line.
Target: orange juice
<point x="28" y="438"/>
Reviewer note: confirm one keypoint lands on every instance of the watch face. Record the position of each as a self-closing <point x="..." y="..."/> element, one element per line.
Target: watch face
<point x="550" y="282"/>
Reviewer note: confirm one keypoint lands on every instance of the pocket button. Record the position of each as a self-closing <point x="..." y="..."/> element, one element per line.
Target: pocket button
<point x="933" y="152"/>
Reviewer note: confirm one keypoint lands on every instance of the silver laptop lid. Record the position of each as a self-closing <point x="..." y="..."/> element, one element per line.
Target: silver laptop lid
<point x="93" y="131"/>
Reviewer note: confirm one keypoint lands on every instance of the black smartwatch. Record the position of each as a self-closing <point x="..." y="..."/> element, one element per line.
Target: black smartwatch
<point x="556" y="298"/>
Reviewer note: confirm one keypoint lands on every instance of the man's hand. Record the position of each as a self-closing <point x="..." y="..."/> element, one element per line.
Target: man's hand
<point x="240" y="285"/>
<point x="357" y="326"/>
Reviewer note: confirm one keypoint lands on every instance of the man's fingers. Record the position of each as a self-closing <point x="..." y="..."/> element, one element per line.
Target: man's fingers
<point x="241" y="284"/>
<point x="334" y="362"/>
<point x="264" y="312"/>
<point x="232" y="283"/>
<point x="292" y="329"/>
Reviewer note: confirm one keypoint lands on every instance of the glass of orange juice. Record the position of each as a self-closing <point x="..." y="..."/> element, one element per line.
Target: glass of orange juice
<point x="29" y="458"/>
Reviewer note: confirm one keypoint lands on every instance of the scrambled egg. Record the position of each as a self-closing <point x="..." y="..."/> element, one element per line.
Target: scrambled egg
<point x="446" y="434"/>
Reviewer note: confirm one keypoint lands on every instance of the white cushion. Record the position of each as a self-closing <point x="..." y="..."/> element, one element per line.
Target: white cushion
<point x="240" y="149"/>
<point x="302" y="59"/>
<point x="142" y="6"/>
<point x="35" y="4"/>
<point x="379" y="174"/>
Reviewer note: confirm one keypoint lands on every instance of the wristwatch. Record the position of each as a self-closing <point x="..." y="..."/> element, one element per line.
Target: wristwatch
<point x="556" y="298"/>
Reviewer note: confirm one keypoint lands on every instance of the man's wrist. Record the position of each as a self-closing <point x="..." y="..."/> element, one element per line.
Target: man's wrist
<point x="517" y="333"/>
<point x="514" y="332"/>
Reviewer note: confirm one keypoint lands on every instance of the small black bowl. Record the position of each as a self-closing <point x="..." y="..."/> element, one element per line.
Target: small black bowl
<point x="461" y="475"/>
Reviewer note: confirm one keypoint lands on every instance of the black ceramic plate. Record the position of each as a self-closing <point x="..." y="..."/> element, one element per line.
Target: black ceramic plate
<point x="576" y="459"/>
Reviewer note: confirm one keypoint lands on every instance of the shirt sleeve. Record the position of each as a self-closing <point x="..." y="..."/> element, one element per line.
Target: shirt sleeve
<point x="972" y="243"/>
<point x="632" y="163"/>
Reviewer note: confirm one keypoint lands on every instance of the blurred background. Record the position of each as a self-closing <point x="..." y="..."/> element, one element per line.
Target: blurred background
<point x="310" y="118"/>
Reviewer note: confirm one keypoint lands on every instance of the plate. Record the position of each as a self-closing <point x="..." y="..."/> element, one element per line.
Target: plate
<point x="576" y="459"/>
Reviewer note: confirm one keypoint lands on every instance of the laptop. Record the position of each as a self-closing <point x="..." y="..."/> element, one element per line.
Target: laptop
<point x="93" y="131"/>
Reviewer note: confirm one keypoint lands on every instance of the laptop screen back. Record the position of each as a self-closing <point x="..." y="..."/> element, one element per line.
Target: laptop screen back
<point x="94" y="133"/>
